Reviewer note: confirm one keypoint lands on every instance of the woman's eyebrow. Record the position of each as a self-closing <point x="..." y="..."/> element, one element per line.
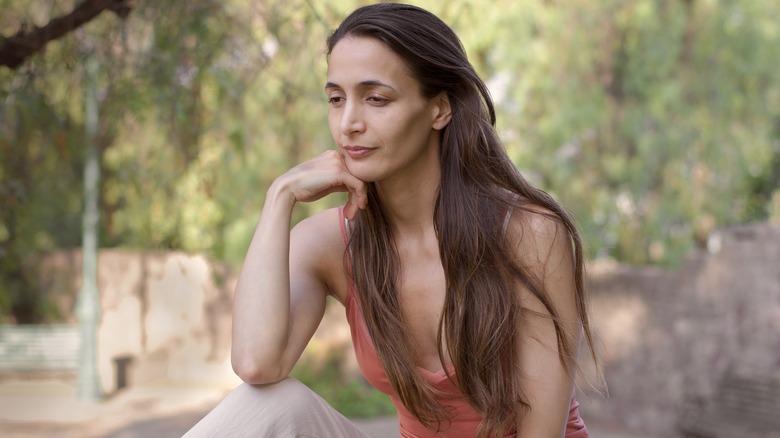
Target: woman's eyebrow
<point x="366" y="83"/>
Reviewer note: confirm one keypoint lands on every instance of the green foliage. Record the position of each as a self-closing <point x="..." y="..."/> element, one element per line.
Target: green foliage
<point x="352" y="397"/>
<point x="654" y="121"/>
<point x="648" y="118"/>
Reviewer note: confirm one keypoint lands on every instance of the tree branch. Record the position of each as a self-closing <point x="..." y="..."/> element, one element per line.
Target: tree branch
<point x="16" y="49"/>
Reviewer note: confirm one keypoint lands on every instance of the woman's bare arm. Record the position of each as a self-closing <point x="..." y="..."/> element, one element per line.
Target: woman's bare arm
<point x="280" y="296"/>
<point x="544" y="244"/>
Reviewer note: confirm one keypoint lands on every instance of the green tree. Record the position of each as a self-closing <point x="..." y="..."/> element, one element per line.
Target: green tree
<point x="653" y="120"/>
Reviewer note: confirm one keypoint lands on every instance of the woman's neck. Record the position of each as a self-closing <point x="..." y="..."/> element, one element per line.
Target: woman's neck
<point x="409" y="201"/>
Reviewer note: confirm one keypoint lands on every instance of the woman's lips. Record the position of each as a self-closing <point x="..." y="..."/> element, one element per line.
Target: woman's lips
<point x="357" y="151"/>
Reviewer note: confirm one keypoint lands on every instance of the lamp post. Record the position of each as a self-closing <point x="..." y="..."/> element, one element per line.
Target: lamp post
<point x="88" y="304"/>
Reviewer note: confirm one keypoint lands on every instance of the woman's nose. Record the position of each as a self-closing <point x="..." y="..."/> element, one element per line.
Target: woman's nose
<point x="352" y="118"/>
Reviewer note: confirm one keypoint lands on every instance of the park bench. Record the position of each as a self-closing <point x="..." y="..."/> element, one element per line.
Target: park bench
<point x="33" y="348"/>
<point x="741" y="407"/>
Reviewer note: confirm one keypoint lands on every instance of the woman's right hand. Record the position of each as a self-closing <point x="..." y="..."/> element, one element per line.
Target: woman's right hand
<point x="322" y="175"/>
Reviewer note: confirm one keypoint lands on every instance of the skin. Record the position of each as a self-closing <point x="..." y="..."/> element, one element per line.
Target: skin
<point x="376" y="107"/>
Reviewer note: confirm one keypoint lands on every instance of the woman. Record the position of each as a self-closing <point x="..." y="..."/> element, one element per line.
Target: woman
<point x="462" y="282"/>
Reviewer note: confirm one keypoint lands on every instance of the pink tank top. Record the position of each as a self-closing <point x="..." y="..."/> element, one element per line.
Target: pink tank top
<point x="465" y="419"/>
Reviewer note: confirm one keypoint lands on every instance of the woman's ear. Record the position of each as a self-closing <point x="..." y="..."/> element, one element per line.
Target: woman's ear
<point x="442" y="111"/>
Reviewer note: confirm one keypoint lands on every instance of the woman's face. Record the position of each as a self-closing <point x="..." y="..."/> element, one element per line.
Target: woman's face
<point x="378" y="117"/>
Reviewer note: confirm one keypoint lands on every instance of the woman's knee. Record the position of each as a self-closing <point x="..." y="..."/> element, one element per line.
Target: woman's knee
<point x="285" y="394"/>
<point x="258" y="410"/>
<point x="289" y="387"/>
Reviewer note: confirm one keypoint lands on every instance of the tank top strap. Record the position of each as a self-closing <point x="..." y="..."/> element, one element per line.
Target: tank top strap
<point x="345" y="226"/>
<point x="508" y="216"/>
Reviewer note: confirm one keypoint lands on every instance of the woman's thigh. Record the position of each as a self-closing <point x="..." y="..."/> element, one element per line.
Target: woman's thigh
<point x="284" y="409"/>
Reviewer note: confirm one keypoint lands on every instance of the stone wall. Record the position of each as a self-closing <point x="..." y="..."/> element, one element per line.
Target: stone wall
<point x="169" y="313"/>
<point x="668" y="337"/>
<point x="665" y="337"/>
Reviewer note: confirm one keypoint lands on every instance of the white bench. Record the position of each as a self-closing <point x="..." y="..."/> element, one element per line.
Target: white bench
<point x="39" y="347"/>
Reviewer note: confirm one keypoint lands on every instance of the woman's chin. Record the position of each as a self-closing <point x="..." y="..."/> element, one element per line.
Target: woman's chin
<point x="362" y="173"/>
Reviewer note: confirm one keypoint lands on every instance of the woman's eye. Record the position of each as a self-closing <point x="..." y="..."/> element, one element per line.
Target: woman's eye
<point x="335" y="100"/>
<point x="377" y="100"/>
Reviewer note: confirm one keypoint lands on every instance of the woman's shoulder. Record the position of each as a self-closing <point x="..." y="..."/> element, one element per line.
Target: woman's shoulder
<point x="320" y="230"/>
<point x="536" y="234"/>
<point x="321" y="220"/>
<point x="317" y="241"/>
<point x="317" y="248"/>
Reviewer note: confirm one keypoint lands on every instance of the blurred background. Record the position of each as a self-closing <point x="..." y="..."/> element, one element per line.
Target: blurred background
<point x="137" y="139"/>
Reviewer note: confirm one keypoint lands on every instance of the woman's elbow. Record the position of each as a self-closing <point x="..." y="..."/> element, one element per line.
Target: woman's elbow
<point x="254" y="372"/>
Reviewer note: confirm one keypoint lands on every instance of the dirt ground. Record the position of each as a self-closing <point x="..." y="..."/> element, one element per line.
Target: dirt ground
<point x="48" y="408"/>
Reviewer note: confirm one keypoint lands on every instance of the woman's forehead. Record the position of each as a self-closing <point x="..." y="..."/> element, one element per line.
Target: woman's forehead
<point x="360" y="60"/>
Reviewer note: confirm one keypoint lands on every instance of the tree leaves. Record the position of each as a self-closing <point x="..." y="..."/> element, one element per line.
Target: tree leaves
<point x="654" y="121"/>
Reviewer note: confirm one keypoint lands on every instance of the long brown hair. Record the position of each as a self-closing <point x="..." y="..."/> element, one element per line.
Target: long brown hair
<point x="482" y="312"/>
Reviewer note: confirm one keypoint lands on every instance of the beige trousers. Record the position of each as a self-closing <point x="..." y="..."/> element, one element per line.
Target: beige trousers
<point x="284" y="409"/>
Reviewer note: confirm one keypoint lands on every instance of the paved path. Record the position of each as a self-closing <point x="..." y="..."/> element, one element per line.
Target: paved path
<point x="34" y="408"/>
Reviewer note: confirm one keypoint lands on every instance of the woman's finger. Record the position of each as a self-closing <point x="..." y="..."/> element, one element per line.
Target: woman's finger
<point x="357" y="198"/>
<point x="325" y="174"/>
